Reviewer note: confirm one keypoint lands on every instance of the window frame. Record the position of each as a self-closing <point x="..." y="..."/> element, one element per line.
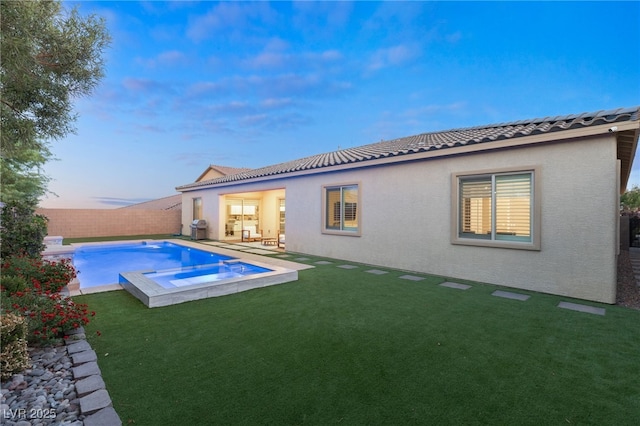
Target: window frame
<point x="491" y="174"/>
<point x="358" y="210"/>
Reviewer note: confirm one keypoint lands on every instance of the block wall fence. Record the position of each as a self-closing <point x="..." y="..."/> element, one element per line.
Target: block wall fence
<point x="81" y="223"/>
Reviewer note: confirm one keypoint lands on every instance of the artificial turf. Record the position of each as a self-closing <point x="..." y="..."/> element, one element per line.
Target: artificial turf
<point x="349" y="347"/>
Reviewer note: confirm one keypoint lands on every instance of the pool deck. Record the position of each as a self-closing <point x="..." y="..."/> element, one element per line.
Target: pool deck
<point x="154" y="295"/>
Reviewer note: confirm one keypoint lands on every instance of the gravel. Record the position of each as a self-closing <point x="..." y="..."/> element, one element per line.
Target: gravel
<point x="628" y="289"/>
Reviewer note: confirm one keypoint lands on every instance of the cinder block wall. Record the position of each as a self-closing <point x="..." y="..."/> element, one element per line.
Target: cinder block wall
<point x="80" y="223"/>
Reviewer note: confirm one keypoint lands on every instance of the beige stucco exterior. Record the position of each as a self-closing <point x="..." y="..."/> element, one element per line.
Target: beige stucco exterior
<point x="407" y="214"/>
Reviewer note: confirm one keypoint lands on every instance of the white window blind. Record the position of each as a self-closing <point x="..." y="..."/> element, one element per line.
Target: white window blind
<point x="496" y="207"/>
<point x="513" y="207"/>
<point x="475" y="206"/>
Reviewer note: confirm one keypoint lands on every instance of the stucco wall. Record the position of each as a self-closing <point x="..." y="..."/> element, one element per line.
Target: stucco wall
<point x="406" y="218"/>
<point x="79" y="223"/>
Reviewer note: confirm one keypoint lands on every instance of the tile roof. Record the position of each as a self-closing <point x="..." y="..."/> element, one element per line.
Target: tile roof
<point x="433" y="141"/>
<point x="171" y="202"/>
<point x="223" y="170"/>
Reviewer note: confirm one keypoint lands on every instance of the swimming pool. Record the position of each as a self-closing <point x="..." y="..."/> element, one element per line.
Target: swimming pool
<point x="102" y="264"/>
<point x="165" y="273"/>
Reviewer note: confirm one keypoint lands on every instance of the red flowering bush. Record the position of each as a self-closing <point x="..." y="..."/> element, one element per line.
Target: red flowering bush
<point x="49" y="315"/>
<point x="39" y="273"/>
<point x="31" y="288"/>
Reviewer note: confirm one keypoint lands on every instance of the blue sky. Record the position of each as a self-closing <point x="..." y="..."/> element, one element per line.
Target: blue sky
<point x="243" y="84"/>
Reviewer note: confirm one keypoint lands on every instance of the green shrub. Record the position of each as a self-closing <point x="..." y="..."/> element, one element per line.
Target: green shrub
<point x="14" y="357"/>
<point x="9" y="284"/>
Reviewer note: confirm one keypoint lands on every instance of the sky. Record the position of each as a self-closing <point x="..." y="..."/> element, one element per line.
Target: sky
<point x="251" y="84"/>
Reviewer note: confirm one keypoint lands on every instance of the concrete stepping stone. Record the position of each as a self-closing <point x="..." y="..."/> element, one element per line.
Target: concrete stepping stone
<point x="283" y="255"/>
<point x="510" y="295"/>
<point x="260" y="251"/>
<point x="235" y="247"/>
<point x="376" y="272"/>
<point x="89" y="384"/>
<point x="301" y="259"/>
<point x="411" y="278"/>
<point x="95" y="401"/>
<point x="86" y="369"/>
<point x="457" y="286"/>
<point x="105" y="417"/>
<point x="323" y="262"/>
<point x="348" y="266"/>
<point x="84" y="356"/>
<point x="582" y="308"/>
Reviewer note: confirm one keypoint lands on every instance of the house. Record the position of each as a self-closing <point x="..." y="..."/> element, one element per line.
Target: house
<point x="174" y="202"/>
<point x="531" y="204"/>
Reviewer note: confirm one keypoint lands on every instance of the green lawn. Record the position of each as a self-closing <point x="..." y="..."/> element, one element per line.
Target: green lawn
<point x="348" y="347"/>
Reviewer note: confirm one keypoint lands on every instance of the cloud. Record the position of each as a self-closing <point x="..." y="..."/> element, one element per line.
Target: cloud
<point x="410" y="121"/>
<point x="203" y="89"/>
<point x="230" y="108"/>
<point x="321" y="19"/>
<point x="398" y="20"/>
<point x="144" y="85"/>
<point x="393" y="56"/>
<point x="254" y="120"/>
<point x="168" y="58"/>
<point x="453" y="37"/>
<point x="268" y="60"/>
<point x="275" y="121"/>
<point x="288" y="85"/>
<point x="330" y="55"/>
<point x="235" y="19"/>
<point x="302" y="86"/>
<point x="278" y="53"/>
<point x="276" y="103"/>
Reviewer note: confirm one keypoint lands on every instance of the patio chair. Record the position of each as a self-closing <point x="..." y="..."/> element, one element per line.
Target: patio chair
<point x="280" y="240"/>
<point x="249" y="234"/>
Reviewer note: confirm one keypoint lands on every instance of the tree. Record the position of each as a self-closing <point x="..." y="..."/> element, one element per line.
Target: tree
<point x="630" y="200"/>
<point x="23" y="231"/>
<point x="50" y="57"/>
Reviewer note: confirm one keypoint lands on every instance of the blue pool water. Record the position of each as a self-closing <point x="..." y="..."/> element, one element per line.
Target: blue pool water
<point x="101" y="265"/>
<point x="203" y="274"/>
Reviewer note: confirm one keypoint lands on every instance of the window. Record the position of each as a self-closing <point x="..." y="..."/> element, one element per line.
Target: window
<point x="341" y="213"/>
<point x="197" y="208"/>
<point x="241" y="213"/>
<point x="497" y="209"/>
<point x="281" y="215"/>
